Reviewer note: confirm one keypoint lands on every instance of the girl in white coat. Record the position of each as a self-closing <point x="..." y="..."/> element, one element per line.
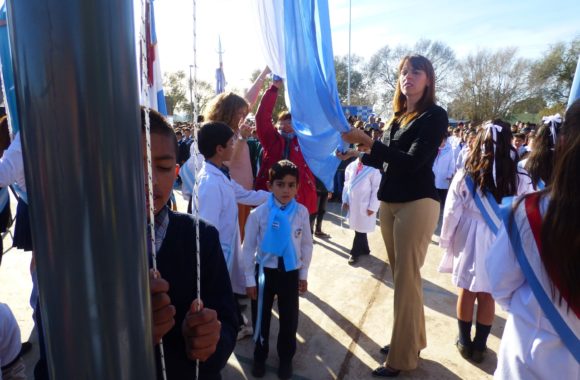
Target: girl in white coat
<point x="468" y="230"/>
<point x="443" y="169"/>
<point x="534" y="268"/>
<point x="359" y="196"/>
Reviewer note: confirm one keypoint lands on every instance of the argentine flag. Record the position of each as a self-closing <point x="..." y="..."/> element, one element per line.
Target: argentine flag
<point x="297" y="45"/>
<point x="155" y="77"/>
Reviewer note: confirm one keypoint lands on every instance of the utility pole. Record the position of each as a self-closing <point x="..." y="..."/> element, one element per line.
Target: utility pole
<point x="349" y="40"/>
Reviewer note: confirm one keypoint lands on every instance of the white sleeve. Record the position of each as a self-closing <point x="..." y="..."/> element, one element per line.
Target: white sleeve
<point x="525" y="185"/>
<point x="374" y="202"/>
<point x="250" y="248"/>
<point x="210" y="201"/>
<point x="504" y="272"/>
<point x="452" y="211"/>
<point x="306" y="246"/>
<point x="249" y="197"/>
<point x="11" y="164"/>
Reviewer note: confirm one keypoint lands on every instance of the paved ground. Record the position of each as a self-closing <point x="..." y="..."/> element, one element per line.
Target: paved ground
<point x="344" y="319"/>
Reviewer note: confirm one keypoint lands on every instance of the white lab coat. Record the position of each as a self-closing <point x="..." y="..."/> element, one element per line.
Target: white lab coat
<point x="444" y="167"/>
<point x="530" y="347"/>
<point x="218" y="198"/>
<point x="362" y="197"/>
<point x="9" y="337"/>
<point x="12" y="165"/>
<point x="465" y="236"/>
<point x="256" y="227"/>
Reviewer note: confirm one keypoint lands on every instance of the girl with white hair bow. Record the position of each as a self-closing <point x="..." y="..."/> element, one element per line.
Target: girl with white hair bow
<point x="470" y="224"/>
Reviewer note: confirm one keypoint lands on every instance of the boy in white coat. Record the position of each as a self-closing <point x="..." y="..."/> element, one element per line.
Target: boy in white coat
<point x="219" y="195"/>
<point x="277" y="254"/>
<point x="361" y="184"/>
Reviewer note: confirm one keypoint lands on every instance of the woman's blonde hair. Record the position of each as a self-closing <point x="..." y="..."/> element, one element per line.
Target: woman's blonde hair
<point x="224" y="107"/>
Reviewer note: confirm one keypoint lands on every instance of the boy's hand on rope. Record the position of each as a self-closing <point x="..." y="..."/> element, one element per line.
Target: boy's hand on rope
<point x="201" y="331"/>
<point x="163" y="310"/>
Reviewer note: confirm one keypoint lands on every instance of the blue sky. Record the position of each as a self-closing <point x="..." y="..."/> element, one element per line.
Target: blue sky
<point x="466" y="26"/>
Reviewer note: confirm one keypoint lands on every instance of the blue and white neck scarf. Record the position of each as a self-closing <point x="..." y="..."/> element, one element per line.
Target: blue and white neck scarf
<point x="277" y="242"/>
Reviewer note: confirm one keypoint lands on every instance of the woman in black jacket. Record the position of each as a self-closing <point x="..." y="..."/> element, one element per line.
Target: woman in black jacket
<point x="409" y="208"/>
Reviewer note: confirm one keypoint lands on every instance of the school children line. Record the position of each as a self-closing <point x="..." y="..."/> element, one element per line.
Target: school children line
<point x="524" y="257"/>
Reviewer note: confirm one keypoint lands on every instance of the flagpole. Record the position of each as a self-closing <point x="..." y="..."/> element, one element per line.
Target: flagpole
<point x="349" y="41"/>
<point x="191" y="95"/>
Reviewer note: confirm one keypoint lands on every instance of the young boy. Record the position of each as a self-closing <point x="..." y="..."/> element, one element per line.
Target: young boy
<point x="219" y="195"/>
<point x="279" y="245"/>
<point x="188" y="334"/>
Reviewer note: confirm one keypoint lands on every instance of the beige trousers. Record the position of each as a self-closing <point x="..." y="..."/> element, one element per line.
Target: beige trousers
<point x="407" y="229"/>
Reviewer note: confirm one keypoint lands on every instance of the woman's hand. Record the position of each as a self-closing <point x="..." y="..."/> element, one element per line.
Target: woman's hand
<point x="356" y="136"/>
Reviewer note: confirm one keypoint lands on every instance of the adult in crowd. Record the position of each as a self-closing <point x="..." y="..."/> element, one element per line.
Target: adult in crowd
<point x="409" y="208"/>
<point x="231" y="109"/>
<point x="534" y="268"/>
<point x="282" y="144"/>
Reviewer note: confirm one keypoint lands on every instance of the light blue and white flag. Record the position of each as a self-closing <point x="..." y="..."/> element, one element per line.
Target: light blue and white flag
<point x="297" y="46"/>
<point x="575" y="90"/>
<point x="155" y="77"/>
<point x="7" y="72"/>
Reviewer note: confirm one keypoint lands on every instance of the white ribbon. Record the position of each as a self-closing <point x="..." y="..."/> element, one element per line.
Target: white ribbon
<point x="551" y="121"/>
<point x="493" y="129"/>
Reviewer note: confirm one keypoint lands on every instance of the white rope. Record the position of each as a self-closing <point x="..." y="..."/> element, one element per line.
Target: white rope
<point x="145" y="4"/>
<point x="195" y="194"/>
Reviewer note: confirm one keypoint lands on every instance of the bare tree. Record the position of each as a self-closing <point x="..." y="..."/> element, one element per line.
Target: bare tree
<point x="489" y="85"/>
<point x="176" y="88"/>
<point x="382" y="70"/>
<point x="359" y="94"/>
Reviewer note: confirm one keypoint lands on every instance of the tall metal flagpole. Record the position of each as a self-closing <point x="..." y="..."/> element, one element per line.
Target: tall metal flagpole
<point x="349" y="40"/>
<point x="77" y="97"/>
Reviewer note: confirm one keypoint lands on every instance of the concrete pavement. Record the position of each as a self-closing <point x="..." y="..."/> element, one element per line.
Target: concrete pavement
<point x="344" y="318"/>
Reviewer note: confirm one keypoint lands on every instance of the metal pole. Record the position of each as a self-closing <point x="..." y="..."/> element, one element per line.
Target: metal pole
<point x="77" y="97"/>
<point x="349" y="40"/>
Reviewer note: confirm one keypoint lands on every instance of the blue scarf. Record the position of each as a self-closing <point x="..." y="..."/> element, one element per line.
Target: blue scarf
<point x="277" y="242"/>
<point x="278" y="237"/>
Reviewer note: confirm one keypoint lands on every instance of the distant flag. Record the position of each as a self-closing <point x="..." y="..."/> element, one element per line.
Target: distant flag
<point x="7" y="71"/>
<point x="220" y="78"/>
<point x="155" y="78"/>
<point x="575" y="90"/>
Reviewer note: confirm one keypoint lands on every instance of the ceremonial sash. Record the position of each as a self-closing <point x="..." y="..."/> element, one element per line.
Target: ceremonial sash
<point x="487" y="206"/>
<point x="20" y="193"/>
<point x="4" y="198"/>
<point x="187" y="177"/>
<point x="535" y="276"/>
<point x="358" y="177"/>
<point x="541" y="185"/>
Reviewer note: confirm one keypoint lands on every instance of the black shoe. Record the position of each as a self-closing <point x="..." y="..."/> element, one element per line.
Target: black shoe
<point x="285" y="370"/>
<point x="25" y="348"/>
<point x="258" y="369"/>
<point x="353" y="260"/>
<point x="478" y="355"/>
<point x="464" y="350"/>
<point x="383" y="371"/>
<point x="385" y="350"/>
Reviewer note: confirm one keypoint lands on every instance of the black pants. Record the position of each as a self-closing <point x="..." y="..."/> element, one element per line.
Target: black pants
<point x="360" y="244"/>
<point x="320" y="211"/>
<point x="285" y="285"/>
<point x="442" y="196"/>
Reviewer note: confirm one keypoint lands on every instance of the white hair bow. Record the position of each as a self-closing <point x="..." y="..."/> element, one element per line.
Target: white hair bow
<point x="494" y="130"/>
<point x="551" y="121"/>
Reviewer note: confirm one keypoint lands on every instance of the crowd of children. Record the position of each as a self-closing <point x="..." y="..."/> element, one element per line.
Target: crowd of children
<point x="476" y="169"/>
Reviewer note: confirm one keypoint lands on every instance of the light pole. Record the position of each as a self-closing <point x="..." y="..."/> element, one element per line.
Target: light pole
<point x="349" y="38"/>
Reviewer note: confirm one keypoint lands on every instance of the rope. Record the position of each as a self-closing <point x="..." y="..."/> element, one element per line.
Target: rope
<point x="195" y="194"/>
<point x="145" y="4"/>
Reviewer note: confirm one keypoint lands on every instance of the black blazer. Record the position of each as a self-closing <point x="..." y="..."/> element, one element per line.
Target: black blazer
<point x="406" y="153"/>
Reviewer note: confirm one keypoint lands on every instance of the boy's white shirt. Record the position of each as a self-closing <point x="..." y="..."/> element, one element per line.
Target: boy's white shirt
<point x="254" y="234"/>
<point x="9" y="336"/>
<point x="218" y="199"/>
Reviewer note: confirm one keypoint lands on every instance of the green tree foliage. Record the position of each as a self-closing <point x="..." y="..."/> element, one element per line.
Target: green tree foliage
<point x="551" y="76"/>
<point x="489" y="85"/>
<point x="176" y="86"/>
<point x="383" y="69"/>
<point x="359" y="94"/>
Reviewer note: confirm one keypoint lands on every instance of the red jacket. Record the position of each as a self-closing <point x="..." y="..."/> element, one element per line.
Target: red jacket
<point x="273" y="149"/>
